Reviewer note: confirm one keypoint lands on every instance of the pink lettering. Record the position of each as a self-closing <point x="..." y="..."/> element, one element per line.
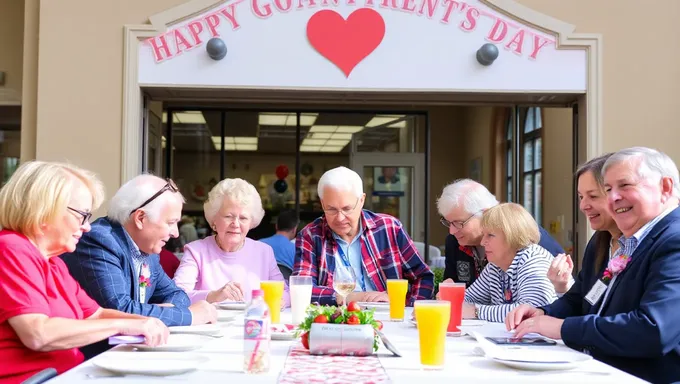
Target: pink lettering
<point x="181" y="42"/>
<point x="313" y="4"/>
<point x="335" y="2"/>
<point x="229" y="13"/>
<point x="538" y="45"/>
<point x="431" y="7"/>
<point x="160" y="51"/>
<point x="393" y="4"/>
<point x="264" y="12"/>
<point x="470" y="21"/>
<point x="283" y="5"/>
<point x="409" y="6"/>
<point x="450" y="6"/>
<point x="195" y="28"/>
<point x="369" y="3"/>
<point x="516" y="42"/>
<point x="498" y="32"/>
<point x="213" y="22"/>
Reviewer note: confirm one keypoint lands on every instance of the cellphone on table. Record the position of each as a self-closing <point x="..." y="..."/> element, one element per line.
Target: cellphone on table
<point x="535" y="341"/>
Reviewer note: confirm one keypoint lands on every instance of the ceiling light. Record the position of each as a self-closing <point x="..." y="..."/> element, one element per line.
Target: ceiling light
<point x="399" y="124"/>
<point x="186" y="117"/>
<point x="334" y="143"/>
<point x="243" y="140"/>
<point x="342" y="136"/>
<point x="246" y="147"/>
<point x="349" y="129"/>
<point x="319" y="135"/>
<point x="287" y="119"/>
<point x="313" y="142"/>
<point x="383" y="119"/>
<point x="310" y="148"/>
<point x="323" y="128"/>
<point x="331" y="149"/>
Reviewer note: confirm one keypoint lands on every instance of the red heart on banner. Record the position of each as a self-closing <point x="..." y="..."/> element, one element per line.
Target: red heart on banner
<point x="346" y="43"/>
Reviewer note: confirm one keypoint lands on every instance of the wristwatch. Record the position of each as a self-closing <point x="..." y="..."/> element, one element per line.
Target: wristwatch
<point x="476" y="311"/>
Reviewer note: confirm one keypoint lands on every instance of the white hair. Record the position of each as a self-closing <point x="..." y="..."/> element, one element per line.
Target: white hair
<point x="471" y="195"/>
<point x="241" y="192"/>
<point x="341" y="179"/>
<point x="653" y="165"/>
<point x="134" y="193"/>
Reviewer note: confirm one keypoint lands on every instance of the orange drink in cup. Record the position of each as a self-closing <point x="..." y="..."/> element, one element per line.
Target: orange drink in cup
<point x="432" y="317"/>
<point x="273" y="295"/>
<point x="455" y="294"/>
<point x="396" y="290"/>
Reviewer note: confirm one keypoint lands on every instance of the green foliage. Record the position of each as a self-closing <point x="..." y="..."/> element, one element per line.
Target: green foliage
<point x="438" y="278"/>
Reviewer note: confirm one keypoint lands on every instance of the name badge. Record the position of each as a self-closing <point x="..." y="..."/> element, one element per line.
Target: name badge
<point x="142" y="295"/>
<point x="596" y="292"/>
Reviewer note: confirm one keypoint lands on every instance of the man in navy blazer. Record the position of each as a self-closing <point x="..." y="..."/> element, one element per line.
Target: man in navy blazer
<point x="117" y="262"/>
<point x="461" y="206"/>
<point x="632" y="322"/>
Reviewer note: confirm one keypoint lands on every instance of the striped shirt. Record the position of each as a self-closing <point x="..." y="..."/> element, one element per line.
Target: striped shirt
<point x="526" y="278"/>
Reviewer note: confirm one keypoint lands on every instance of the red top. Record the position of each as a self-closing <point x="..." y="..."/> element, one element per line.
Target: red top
<point x="169" y="262"/>
<point x="32" y="284"/>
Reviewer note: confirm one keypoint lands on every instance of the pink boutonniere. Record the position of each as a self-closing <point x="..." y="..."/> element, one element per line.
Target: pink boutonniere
<point x="144" y="281"/>
<point x="615" y="266"/>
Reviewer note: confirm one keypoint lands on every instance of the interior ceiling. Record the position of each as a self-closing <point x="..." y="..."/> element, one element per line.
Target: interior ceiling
<point x="275" y="132"/>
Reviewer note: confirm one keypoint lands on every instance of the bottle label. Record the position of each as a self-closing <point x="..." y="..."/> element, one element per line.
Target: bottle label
<point x="255" y="329"/>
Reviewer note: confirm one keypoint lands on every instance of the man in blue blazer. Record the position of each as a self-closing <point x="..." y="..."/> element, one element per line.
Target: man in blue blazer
<point x="117" y="262"/>
<point x="626" y="315"/>
<point x="461" y="206"/>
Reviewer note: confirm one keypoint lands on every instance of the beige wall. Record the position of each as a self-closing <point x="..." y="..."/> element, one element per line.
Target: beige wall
<point x="641" y="76"/>
<point x="11" y="49"/>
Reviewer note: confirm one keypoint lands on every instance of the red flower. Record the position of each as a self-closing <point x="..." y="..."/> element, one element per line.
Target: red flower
<point x="466" y="250"/>
<point x="144" y="281"/>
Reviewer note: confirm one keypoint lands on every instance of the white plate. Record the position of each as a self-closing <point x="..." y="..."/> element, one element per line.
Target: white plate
<point x="282" y="332"/>
<point x="377" y="306"/>
<point x="153" y="365"/>
<point x="204" y="329"/>
<point x="177" y="343"/>
<point x="544" y="366"/>
<point x="225" y="316"/>
<point x="232" y="305"/>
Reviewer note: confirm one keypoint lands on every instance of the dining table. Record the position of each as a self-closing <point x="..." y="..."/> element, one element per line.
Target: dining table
<point x="222" y="362"/>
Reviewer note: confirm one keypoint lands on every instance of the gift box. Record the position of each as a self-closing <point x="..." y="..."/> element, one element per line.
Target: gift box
<point x="341" y="339"/>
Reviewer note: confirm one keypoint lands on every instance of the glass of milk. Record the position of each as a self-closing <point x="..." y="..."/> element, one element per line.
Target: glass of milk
<point x="300" y="297"/>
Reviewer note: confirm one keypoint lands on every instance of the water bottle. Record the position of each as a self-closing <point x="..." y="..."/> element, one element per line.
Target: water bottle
<point x="256" y="335"/>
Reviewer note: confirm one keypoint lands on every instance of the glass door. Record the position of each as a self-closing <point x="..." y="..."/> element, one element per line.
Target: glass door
<point x="394" y="184"/>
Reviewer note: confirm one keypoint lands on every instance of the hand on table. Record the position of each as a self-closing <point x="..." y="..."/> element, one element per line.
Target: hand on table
<point x="368" y="297"/>
<point x="230" y="291"/>
<point x="154" y="331"/>
<point x="560" y="272"/>
<point x="547" y="326"/>
<point x="521" y="313"/>
<point x="203" y="312"/>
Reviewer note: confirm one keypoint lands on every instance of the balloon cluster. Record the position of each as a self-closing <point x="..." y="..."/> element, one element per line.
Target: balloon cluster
<point x="280" y="185"/>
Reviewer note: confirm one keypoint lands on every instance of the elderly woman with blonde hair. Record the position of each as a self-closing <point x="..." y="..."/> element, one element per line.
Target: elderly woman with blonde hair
<point x="44" y="314"/>
<point x="228" y="265"/>
<point x="517" y="269"/>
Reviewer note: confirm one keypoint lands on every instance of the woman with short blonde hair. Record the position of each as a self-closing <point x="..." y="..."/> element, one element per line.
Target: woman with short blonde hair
<point x="45" y="316"/>
<point x="517" y="269"/>
<point x="228" y="265"/>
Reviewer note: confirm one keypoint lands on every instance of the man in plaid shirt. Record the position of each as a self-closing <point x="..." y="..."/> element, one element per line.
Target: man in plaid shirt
<point x="375" y="246"/>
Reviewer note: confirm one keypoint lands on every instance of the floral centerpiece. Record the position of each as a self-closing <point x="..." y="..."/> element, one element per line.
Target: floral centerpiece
<point x="352" y="314"/>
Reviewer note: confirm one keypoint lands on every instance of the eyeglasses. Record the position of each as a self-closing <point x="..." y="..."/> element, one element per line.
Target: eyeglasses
<point x="169" y="186"/>
<point x="457" y="223"/>
<point x="345" y="211"/>
<point x="86" y="215"/>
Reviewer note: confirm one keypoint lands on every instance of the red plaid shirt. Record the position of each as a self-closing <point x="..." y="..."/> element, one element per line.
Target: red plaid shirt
<point x="387" y="253"/>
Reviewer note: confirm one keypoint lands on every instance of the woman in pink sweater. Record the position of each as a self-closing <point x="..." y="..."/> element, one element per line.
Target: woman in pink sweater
<point x="228" y="265"/>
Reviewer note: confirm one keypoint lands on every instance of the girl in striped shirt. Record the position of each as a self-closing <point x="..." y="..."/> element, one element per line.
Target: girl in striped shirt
<point x="517" y="269"/>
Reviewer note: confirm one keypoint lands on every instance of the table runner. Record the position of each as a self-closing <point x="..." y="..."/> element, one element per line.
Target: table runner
<point x="301" y="367"/>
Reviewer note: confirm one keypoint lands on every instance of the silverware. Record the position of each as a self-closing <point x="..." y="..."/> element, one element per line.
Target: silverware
<point x="91" y="376"/>
<point x="390" y="347"/>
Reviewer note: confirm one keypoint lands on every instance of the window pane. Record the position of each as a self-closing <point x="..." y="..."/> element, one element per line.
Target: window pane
<point x="529" y="121"/>
<point x="528" y="156"/>
<point x="528" y="193"/>
<point x="537" y="198"/>
<point x="538" y="153"/>
<point x="508" y="165"/>
<point x="509" y="196"/>
<point x="538" y="121"/>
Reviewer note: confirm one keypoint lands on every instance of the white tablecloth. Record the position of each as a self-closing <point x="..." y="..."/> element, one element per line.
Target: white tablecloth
<point x="462" y="364"/>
